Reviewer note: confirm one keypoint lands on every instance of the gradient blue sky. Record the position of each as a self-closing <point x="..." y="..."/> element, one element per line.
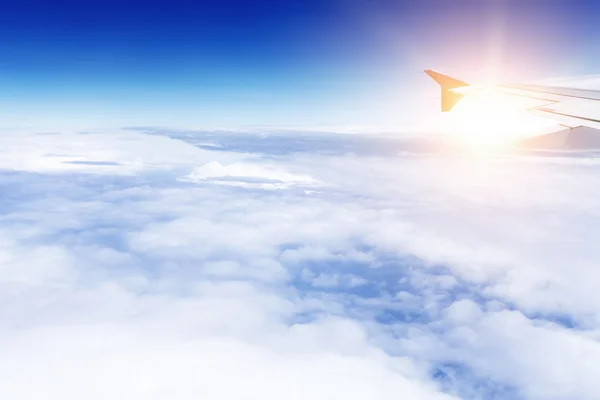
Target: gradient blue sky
<point x="232" y="63"/>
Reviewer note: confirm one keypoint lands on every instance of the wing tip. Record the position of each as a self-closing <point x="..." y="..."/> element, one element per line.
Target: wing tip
<point x="447" y="83"/>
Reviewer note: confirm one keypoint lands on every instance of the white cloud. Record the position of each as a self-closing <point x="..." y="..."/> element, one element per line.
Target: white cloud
<point x="130" y="277"/>
<point x="119" y="152"/>
<point x="543" y="359"/>
<point x="246" y="175"/>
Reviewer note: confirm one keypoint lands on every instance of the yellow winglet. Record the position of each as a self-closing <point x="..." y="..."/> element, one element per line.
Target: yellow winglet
<point x="449" y="98"/>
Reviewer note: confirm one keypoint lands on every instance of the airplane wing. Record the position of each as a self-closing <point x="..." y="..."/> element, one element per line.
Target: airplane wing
<point x="576" y="109"/>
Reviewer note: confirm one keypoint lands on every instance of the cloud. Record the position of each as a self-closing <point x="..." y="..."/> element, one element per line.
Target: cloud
<point x="146" y="266"/>
<point x="246" y="175"/>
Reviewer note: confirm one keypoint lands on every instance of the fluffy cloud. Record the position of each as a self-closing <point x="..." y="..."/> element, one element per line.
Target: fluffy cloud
<point x="150" y="266"/>
<point x="246" y="175"/>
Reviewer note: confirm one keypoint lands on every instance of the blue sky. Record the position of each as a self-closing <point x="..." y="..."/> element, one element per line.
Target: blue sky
<point x="232" y="63"/>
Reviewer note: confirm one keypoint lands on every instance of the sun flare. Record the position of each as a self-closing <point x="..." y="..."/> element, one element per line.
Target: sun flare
<point x="490" y="123"/>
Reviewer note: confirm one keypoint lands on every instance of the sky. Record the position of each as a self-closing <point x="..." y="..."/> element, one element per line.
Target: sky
<point x="237" y="63"/>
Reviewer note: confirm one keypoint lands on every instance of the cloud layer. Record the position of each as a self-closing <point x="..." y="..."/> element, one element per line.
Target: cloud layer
<point x="149" y="266"/>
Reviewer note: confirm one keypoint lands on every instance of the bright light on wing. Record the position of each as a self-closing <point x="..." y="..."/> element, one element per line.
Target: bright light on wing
<point x="491" y="122"/>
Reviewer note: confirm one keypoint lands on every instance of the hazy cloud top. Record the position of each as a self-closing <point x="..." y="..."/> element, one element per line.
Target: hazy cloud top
<point x="187" y="265"/>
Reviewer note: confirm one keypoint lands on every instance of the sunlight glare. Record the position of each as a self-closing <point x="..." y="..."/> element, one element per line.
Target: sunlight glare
<point x="490" y="123"/>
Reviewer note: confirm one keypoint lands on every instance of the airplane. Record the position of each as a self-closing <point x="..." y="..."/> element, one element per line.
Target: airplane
<point x="576" y="110"/>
